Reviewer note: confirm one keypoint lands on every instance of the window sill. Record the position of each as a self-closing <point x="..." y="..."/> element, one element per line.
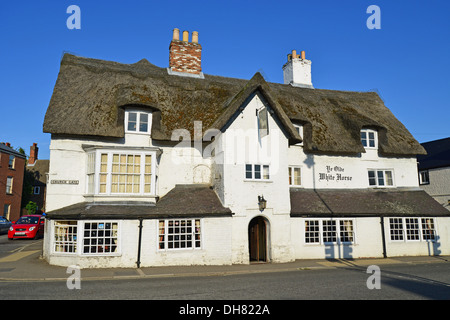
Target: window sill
<point x="258" y="180"/>
<point x="381" y="187"/>
<point x="119" y="197"/>
<point x="84" y="255"/>
<point x="139" y="133"/>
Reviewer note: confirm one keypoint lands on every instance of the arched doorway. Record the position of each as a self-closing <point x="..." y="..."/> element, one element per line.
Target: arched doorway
<point x="257" y="239"/>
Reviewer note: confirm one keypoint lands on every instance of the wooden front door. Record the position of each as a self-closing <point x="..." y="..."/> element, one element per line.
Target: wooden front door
<point x="257" y="239"/>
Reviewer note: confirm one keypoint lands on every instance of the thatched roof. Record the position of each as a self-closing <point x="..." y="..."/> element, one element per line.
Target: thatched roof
<point x="90" y="94"/>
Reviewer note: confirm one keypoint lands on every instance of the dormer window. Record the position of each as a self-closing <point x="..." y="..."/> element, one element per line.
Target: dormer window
<point x="369" y="138"/>
<point x="137" y="121"/>
<point x="299" y="129"/>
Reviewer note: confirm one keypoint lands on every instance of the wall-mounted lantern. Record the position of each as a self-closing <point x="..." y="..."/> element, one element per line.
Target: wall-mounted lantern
<point x="262" y="203"/>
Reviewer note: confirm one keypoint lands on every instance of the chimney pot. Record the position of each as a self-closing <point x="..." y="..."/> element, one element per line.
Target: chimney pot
<point x="186" y="36"/>
<point x="294" y="54"/>
<point x="195" y="37"/>
<point x="303" y="55"/>
<point x="176" y="34"/>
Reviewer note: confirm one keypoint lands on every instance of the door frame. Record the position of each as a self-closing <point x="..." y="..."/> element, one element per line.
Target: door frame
<point x="258" y="239"/>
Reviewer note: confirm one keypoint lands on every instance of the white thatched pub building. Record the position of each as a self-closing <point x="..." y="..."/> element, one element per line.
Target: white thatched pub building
<point x="154" y="166"/>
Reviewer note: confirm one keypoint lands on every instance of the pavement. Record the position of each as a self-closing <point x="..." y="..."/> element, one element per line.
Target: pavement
<point x="27" y="264"/>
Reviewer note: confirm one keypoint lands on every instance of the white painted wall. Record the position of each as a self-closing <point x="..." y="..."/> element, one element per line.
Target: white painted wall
<point x="241" y="144"/>
<point x="422" y="248"/>
<point x="367" y="242"/>
<point x="354" y="167"/>
<point x="215" y="247"/>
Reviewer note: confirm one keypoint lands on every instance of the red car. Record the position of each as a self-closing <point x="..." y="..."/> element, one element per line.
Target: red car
<point x="31" y="226"/>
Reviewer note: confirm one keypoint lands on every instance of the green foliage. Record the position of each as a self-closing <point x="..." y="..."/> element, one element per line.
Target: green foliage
<point x="31" y="207"/>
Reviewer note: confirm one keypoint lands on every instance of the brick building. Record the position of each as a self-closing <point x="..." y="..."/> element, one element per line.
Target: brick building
<point x="12" y="165"/>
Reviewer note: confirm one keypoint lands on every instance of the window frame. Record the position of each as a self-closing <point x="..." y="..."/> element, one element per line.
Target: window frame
<point x="163" y="238"/>
<point x="98" y="222"/>
<point x="11" y="162"/>
<point x="262" y="170"/>
<point x="36" y="190"/>
<point x="138" y="113"/>
<point x="262" y="118"/>
<point x="9" y="185"/>
<point x="422" y="174"/>
<point x="299" y="129"/>
<point x="291" y="170"/>
<point x="326" y="229"/>
<point x="6" y="210"/>
<point x="377" y="177"/>
<point x="94" y="173"/>
<point x="79" y="241"/>
<point x="412" y="235"/>
<point x="59" y="241"/>
<point x="367" y="132"/>
<point x="425" y="234"/>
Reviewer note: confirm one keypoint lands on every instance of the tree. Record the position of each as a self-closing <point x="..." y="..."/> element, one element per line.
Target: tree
<point x="31" y="207"/>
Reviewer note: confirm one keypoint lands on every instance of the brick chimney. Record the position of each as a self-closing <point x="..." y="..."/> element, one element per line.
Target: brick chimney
<point x="297" y="70"/>
<point x="33" y="154"/>
<point x="185" y="58"/>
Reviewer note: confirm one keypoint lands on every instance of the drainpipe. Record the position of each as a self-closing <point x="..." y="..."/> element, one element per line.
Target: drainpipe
<point x="138" y="262"/>
<point x="383" y="237"/>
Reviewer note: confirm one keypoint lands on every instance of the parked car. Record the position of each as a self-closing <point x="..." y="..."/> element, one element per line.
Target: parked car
<point x="5" y="224"/>
<point x="31" y="226"/>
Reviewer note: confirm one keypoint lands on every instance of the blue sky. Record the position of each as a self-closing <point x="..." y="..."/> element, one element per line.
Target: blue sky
<point x="406" y="61"/>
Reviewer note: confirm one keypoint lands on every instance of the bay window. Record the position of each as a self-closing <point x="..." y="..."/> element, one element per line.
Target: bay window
<point x="124" y="172"/>
<point x="86" y="237"/>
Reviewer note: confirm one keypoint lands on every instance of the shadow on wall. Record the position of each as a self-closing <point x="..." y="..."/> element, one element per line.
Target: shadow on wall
<point x="434" y="247"/>
<point x="338" y="250"/>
